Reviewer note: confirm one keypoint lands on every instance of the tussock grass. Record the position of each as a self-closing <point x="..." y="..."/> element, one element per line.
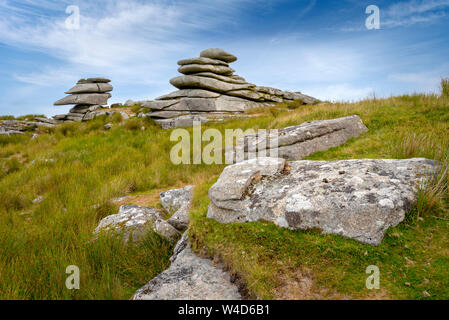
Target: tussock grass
<point x="78" y="168"/>
<point x="445" y="87"/>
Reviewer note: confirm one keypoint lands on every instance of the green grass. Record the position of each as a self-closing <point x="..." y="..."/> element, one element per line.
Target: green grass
<point x="89" y="166"/>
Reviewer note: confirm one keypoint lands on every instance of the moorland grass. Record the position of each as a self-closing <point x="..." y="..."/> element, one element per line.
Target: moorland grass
<point x="78" y="168"/>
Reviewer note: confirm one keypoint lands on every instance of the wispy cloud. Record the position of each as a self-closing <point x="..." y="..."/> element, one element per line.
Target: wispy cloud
<point x="116" y="37"/>
<point x="413" y="12"/>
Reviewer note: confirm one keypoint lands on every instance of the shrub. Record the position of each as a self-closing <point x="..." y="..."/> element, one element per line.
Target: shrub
<point x="132" y="124"/>
<point x="116" y="117"/>
<point x="433" y="194"/>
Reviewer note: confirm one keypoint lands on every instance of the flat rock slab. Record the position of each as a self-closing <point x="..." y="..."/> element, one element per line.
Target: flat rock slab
<point x="90" y="88"/>
<point x="223" y="103"/>
<point x="230" y="79"/>
<point x="297" y="142"/>
<point x="189" y="278"/>
<point x="87" y="98"/>
<point x="189" y="93"/>
<point x="195" y="68"/>
<point x="201" y="60"/>
<point x="197" y="82"/>
<point x="188" y="120"/>
<point x="358" y="199"/>
<point x="94" y="80"/>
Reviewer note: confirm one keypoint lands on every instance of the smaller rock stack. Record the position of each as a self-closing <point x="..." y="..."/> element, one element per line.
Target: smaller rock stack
<point x="88" y="96"/>
<point x="210" y="91"/>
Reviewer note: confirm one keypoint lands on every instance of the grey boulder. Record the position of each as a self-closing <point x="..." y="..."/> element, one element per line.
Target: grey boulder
<point x="358" y="199"/>
<point x="189" y="278"/>
<point x="135" y="222"/>
<point x="297" y="142"/>
<point x="218" y="54"/>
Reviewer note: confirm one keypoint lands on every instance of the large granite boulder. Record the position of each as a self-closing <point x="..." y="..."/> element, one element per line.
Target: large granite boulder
<point x="135" y="222"/>
<point x="297" y="142"/>
<point x="189" y="278"/>
<point x="358" y="199"/>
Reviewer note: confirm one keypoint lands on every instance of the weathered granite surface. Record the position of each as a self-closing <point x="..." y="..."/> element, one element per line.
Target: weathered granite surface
<point x="189" y="278"/>
<point x="358" y="199"/>
<point x="136" y="222"/>
<point x="297" y="142"/>
<point x="178" y="202"/>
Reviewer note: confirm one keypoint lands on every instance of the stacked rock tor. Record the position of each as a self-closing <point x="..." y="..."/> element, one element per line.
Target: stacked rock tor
<point x="209" y="90"/>
<point x="88" y="95"/>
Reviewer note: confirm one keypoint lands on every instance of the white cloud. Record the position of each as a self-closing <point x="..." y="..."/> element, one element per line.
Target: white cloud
<point x="413" y="12"/>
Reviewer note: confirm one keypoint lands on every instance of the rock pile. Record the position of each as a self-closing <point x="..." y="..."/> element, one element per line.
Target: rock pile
<point x="11" y="127"/>
<point x="358" y="199"/>
<point x="88" y="96"/>
<point x="210" y="91"/>
<point x="189" y="276"/>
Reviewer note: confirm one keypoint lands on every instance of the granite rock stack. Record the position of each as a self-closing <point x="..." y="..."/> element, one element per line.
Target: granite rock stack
<point x="210" y="91"/>
<point x="88" y="96"/>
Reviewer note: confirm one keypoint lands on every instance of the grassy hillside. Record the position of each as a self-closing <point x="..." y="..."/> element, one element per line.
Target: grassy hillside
<point x="79" y="168"/>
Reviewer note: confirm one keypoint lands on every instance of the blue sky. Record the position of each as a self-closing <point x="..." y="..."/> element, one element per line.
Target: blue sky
<point x="318" y="47"/>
